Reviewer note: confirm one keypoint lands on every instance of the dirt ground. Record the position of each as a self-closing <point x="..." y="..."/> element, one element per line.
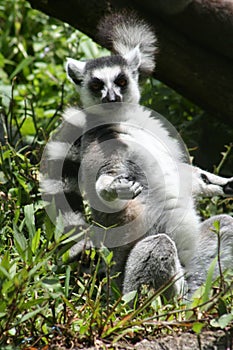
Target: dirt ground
<point x="208" y="340"/>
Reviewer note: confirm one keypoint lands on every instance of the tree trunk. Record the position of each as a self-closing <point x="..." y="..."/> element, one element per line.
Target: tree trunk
<point x="195" y="43"/>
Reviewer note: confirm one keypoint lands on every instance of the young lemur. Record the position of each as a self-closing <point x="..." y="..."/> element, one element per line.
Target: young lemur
<point x="121" y="158"/>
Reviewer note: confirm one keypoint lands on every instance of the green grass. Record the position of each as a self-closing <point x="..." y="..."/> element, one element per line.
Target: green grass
<point x="43" y="301"/>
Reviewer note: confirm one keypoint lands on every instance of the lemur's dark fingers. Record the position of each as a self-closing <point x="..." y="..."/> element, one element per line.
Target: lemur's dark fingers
<point x="228" y="188"/>
<point x="128" y="190"/>
<point x="137" y="188"/>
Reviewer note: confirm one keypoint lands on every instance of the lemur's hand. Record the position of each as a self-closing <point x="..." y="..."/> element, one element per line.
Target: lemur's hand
<point x="119" y="187"/>
<point x="228" y="188"/>
<point x="206" y="184"/>
<point x="126" y="188"/>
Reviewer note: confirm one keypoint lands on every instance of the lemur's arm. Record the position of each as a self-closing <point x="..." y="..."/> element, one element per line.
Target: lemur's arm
<point x="206" y="184"/>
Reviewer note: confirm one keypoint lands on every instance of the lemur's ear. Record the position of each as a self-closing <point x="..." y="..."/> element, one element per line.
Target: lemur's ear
<point x="75" y="70"/>
<point x="133" y="58"/>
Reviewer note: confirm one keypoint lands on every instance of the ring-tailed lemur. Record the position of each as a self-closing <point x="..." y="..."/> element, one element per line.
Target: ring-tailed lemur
<point x="132" y="172"/>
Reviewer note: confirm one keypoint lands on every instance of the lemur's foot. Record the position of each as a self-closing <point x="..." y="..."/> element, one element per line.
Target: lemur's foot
<point x="154" y="261"/>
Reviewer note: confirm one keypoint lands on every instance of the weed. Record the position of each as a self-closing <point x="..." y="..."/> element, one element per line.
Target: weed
<point x="43" y="301"/>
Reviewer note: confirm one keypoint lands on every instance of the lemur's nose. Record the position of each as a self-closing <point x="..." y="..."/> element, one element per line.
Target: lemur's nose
<point x="111" y="97"/>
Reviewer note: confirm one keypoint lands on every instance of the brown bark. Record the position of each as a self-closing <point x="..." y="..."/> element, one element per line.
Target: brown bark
<point x="195" y="45"/>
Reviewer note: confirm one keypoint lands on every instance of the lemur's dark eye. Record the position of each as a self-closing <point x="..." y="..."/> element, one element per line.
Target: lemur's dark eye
<point x="205" y="179"/>
<point x="96" y="85"/>
<point x="121" y="81"/>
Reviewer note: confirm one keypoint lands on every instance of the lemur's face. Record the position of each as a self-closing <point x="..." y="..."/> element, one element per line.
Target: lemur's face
<point x="106" y="79"/>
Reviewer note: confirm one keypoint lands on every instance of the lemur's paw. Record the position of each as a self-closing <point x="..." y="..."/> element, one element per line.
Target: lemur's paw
<point x="228" y="188"/>
<point x="120" y="187"/>
<point x="125" y="188"/>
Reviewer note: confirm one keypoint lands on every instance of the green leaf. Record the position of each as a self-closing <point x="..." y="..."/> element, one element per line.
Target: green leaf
<point x="5" y="272"/>
<point x="28" y="128"/>
<point x="223" y="321"/>
<point x="72" y="237"/>
<point x="222" y="306"/>
<point x="51" y="281"/>
<point x="35" y="240"/>
<point x="23" y="64"/>
<point x="5" y="93"/>
<point x="21" y="181"/>
<point x="2" y="60"/>
<point x="59" y="229"/>
<point x="106" y="255"/>
<point x="30" y="219"/>
<point x="127" y="298"/>
<point x="5" y="260"/>
<point x="69" y="304"/>
<point x="88" y="47"/>
<point x="49" y="228"/>
<point x="109" y="258"/>
<point x="29" y="315"/>
<point x="209" y="281"/>
<point x="67" y="281"/>
<point x="33" y="302"/>
<point x="20" y="243"/>
<point x="197" y="327"/>
<point x="12" y="331"/>
<point x="3" y="178"/>
<point x="216" y="225"/>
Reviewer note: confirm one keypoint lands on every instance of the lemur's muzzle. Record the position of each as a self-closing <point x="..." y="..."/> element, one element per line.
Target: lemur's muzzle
<point x="111" y="97"/>
<point x="228" y="188"/>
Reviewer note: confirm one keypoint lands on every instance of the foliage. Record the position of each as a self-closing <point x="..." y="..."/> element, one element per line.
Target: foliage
<point x="43" y="302"/>
<point x="205" y="136"/>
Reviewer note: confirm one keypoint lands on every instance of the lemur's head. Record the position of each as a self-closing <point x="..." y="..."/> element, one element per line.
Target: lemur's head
<point x="106" y="79"/>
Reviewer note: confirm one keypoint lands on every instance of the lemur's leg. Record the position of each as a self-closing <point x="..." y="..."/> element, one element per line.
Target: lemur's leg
<point x="206" y="184"/>
<point x="154" y="261"/>
<point x="207" y="250"/>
